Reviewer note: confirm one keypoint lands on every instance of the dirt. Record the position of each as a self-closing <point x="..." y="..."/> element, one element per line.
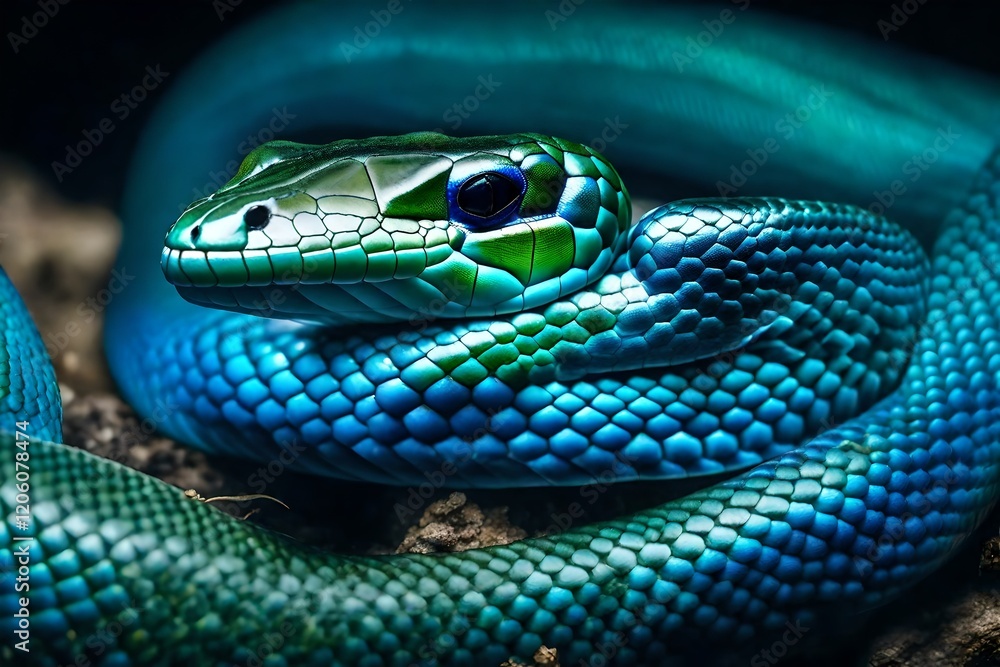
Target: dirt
<point x="59" y="256"/>
<point x="455" y="524"/>
<point x="544" y="657"/>
<point x="957" y="624"/>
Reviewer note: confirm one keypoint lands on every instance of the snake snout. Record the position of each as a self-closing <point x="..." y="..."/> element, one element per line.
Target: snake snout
<point x="211" y="225"/>
<point x="204" y="246"/>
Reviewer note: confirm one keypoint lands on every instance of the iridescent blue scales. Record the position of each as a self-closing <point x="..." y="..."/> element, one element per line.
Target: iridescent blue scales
<point x="726" y="334"/>
<point x="26" y="376"/>
<point x="847" y="521"/>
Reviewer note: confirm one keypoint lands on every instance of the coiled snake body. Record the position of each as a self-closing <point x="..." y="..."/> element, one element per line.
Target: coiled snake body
<point x="522" y="332"/>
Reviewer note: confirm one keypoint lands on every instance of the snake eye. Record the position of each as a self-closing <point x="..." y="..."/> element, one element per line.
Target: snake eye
<point x="256" y="217"/>
<point x="488" y="194"/>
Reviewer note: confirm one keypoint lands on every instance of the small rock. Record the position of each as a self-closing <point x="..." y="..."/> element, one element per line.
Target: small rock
<point x="989" y="561"/>
<point x="544" y="657"/>
<point x="454" y="524"/>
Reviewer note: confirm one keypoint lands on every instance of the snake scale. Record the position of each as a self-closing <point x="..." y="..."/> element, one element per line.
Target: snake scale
<point x="487" y="306"/>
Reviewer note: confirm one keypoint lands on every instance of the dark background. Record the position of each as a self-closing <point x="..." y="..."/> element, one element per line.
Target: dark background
<point x="63" y="80"/>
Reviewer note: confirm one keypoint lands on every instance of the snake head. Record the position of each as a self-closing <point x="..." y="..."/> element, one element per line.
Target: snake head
<point x="380" y="229"/>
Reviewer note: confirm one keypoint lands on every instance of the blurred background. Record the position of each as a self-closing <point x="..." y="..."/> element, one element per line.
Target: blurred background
<point x="63" y="80"/>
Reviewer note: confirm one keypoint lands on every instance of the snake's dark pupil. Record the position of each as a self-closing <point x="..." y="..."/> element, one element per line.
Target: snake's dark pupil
<point x="256" y="217"/>
<point x="485" y="195"/>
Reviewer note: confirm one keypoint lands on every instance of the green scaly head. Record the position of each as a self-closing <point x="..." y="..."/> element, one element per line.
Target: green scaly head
<point x="380" y="229"/>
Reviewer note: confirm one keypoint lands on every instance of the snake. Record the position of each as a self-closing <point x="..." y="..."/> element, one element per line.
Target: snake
<point x="477" y="301"/>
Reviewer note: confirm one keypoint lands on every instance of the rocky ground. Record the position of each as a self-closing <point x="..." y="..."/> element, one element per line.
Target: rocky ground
<point x="59" y="255"/>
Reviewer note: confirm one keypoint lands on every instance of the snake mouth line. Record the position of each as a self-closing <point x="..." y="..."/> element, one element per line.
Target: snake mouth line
<point x="290" y="265"/>
<point x="302" y="286"/>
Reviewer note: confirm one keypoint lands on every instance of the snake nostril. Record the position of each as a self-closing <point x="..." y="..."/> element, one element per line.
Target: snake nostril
<point x="195" y="232"/>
